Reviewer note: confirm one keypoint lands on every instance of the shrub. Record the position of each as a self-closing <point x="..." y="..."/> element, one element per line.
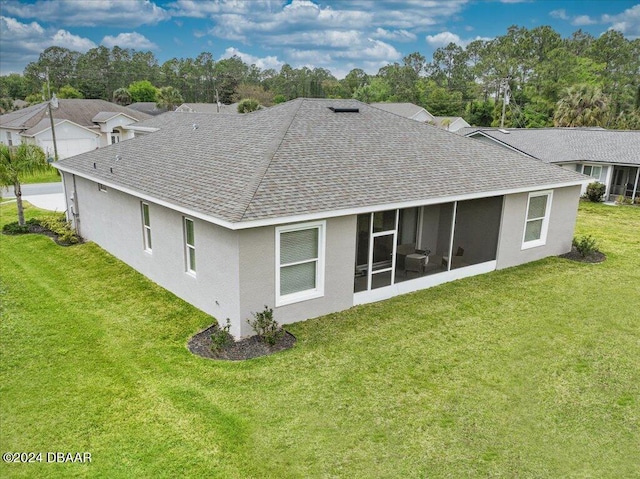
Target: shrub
<point x="266" y="327"/>
<point x="220" y="337"/>
<point x="248" y="105"/>
<point x="586" y="245"/>
<point x="15" y="228"/>
<point x="61" y="227"/>
<point x="595" y="192"/>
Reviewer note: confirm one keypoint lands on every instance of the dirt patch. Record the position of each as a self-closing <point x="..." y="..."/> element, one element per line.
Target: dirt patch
<point x="595" y="257"/>
<point x="247" y="348"/>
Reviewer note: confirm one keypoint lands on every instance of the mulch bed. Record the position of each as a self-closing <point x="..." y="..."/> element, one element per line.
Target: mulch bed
<point x="595" y="257"/>
<point x="41" y="230"/>
<point x="247" y="348"/>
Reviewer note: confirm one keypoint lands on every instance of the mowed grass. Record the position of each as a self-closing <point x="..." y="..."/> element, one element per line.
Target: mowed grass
<point x="50" y="175"/>
<point x="532" y="371"/>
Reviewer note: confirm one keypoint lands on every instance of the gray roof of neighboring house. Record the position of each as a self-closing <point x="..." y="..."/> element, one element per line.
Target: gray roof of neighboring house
<point x="560" y="145"/>
<point x="208" y="108"/>
<point x="440" y="121"/>
<point x="407" y="110"/>
<point x="148" y="107"/>
<point x="81" y="112"/>
<point x="301" y="158"/>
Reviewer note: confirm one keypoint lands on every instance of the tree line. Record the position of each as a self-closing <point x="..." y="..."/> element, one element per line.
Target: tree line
<point x="575" y="81"/>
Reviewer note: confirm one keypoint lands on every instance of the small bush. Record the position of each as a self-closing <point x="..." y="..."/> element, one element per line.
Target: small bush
<point x="266" y="327"/>
<point x="220" y="337"/>
<point x="623" y="200"/>
<point x="586" y="245"/>
<point x="60" y="226"/>
<point x="248" y="105"/>
<point x="595" y="192"/>
<point x="15" y="228"/>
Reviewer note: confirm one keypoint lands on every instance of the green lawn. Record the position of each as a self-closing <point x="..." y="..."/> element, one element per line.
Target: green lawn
<point x="51" y="175"/>
<point x="532" y="371"/>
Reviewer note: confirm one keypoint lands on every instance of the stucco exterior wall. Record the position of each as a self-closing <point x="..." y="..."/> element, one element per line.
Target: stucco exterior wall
<point x="562" y="220"/>
<point x="70" y="140"/>
<point x="258" y="272"/>
<point x="113" y="220"/>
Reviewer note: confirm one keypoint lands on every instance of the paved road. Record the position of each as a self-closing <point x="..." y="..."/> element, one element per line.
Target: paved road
<point x="48" y="196"/>
<point x="34" y="189"/>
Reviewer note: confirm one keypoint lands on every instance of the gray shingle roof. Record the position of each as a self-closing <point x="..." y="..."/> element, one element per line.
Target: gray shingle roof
<point x="78" y="111"/>
<point x="408" y="110"/>
<point x="559" y="145"/>
<point x="302" y="158"/>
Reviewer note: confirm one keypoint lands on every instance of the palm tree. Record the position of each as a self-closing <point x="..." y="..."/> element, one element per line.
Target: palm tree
<point x="122" y="97"/>
<point x="16" y="161"/>
<point x="582" y="105"/>
<point x="168" y="97"/>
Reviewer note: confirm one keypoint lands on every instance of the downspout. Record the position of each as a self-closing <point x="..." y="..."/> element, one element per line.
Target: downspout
<point x="75" y="209"/>
<point x="635" y="185"/>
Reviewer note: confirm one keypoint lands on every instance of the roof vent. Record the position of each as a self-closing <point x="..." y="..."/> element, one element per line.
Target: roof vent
<point x="502" y="130"/>
<point x="195" y="126"/>
<point x="118" y="157"/>
<point x="344" y="110"/>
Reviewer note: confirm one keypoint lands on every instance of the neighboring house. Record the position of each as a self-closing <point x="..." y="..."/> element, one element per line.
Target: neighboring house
<point x="611" y="157"/>
<point x="80" y="126"/>
<point x="313" y="206"/>
<point x="148" y="107"/>
<point x="207" y="108"/>
<point x="451" y="123"/>
<point x="407" y="110"/>
<point x="417" y="113"/>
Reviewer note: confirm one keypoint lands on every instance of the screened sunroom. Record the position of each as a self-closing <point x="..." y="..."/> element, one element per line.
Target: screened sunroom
<point x="408" y="245"/>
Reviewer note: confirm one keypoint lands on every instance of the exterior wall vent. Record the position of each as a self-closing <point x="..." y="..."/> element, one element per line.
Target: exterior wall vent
<point x="344" y="110"/>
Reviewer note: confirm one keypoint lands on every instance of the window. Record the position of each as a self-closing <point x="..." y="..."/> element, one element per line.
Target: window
<point x="146" y="227"/>
<point x="190" y="245"/>
<point x="101" y="187"/>
<point x="537" y="223"/>
<point x="9" y="139"/>
<point x="590" y="170"/>
<point x="299" y="262"/>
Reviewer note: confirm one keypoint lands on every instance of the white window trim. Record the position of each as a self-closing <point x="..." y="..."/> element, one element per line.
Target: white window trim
<point x="318" y="291"/>
<point x="545" y="220"/>
<point x="146" y="228"/>
<point x="187" y="246"/>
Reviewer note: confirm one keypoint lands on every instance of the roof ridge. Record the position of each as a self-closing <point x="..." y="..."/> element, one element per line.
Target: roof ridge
<point x="261" y="172"/>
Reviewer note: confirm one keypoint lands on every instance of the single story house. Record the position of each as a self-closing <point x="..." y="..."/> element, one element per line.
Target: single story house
<point x="417" y="113"/>
<point x="314" y="206"/>
<point x="80" y="126"/>
<point x="611" y="157"/>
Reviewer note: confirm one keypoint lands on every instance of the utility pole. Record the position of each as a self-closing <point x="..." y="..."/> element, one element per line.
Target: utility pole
<point x="504" y="84"/>
<point x="52" y="100"/>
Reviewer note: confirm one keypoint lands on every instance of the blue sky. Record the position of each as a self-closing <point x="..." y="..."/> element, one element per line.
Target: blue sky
<point x="335" y="34"/>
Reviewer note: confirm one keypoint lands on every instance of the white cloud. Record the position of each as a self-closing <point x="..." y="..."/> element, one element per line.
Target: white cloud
<point x="627" y="22"/>
<point x="443" y="39"/>
<point x="21" y="43"/>
<point x="582" y="20"/>
<point x="96" y="12"/>
<point x="262" y="63"/>
<point x="129" y="40"/>
<point x="561" y="14"/>
<point x="65" y="39"/>
<point x="394" y="35"/>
